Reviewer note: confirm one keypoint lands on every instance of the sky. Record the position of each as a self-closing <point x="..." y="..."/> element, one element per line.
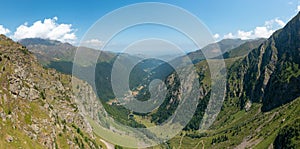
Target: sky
<point x="69" y="20"/>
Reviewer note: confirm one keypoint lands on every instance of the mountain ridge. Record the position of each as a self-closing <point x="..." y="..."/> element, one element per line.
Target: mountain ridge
<point x="224" y="45"/>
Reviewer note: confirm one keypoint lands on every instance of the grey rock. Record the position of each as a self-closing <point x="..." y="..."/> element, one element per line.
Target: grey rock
<point x="33" y="94"/>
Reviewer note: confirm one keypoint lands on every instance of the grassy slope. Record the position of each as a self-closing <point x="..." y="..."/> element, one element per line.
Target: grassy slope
<point x="253" y="128"/>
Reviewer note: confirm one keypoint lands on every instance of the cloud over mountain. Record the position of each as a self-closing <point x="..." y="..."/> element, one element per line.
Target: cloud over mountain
<point x="4" y="30"/>
<point x="93" y="43"/>
<point x="264" y="31"/>
<point x="47" y="29"/>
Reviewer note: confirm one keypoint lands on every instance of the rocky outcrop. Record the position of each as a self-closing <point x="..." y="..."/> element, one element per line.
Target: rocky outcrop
<point x="39" y="103"/>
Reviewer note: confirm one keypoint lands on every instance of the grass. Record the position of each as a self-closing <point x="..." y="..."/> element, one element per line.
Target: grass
<point x="144" y="120"/>
<point x="246" y="125"/>
<point x="187" y="142"/>
<point x="20" y="139"/>
<point x="266" y="142"/>
<point x="28" y="119"/>
<point x="125" y="140"/>
<point x="62" y="141"/>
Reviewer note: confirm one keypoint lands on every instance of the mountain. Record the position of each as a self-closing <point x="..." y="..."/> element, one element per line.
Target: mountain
<point x="38" y="108"/>
<point x="48" y="51"/>
<point x="270" y="73"/>
<point x="243" y="49"/>
<point x="224" y="45"/>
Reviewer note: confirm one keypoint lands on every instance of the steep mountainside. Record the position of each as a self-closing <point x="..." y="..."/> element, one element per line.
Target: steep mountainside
<point x="37" y="106"/>
<point x="270" y="73"/>
<point x="261" y="109"/>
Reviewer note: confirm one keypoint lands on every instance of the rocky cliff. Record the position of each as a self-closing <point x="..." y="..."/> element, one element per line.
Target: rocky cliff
<point x="37" y="106"/>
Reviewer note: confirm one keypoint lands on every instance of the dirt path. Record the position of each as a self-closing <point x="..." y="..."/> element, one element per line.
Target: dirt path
<point x="108" y="145"/>
<point x="248" y="143"/>
<point x="203" y="146"/>
<point x="181" y="141"/>
<point x="269" y="120"/>
<point x="201" y="141"/>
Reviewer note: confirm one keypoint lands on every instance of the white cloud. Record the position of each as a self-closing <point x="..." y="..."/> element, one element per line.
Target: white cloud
<point x="47" y="29"/>
<point x="244" y="35"/>
<point x="93" y="43"/>
<point x="280" y="22"/>
<point x="216" y="36"/>
<point x="229" y="35"/>
<point x="298" y="8"/>
<point x="264" y="31"/>
<point x="4" y="30"/>
<point x="275" y="23"/>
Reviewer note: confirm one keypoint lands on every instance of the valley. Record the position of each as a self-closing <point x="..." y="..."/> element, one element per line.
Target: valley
<point x="44" y="104"/>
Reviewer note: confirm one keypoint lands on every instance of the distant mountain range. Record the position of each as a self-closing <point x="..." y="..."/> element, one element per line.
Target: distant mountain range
<point x="223" y="46"/>
<point x="58" y="55"/>
<point x="243" y="49"/>
<point x="48" y="51"/>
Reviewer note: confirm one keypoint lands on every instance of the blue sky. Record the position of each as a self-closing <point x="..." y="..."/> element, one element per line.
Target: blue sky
<point x="225" y="19"/>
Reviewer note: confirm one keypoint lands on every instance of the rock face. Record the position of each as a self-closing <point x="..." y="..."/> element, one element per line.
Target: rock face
<point x="270" y="74"/>
<point x="37" y="106"/>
